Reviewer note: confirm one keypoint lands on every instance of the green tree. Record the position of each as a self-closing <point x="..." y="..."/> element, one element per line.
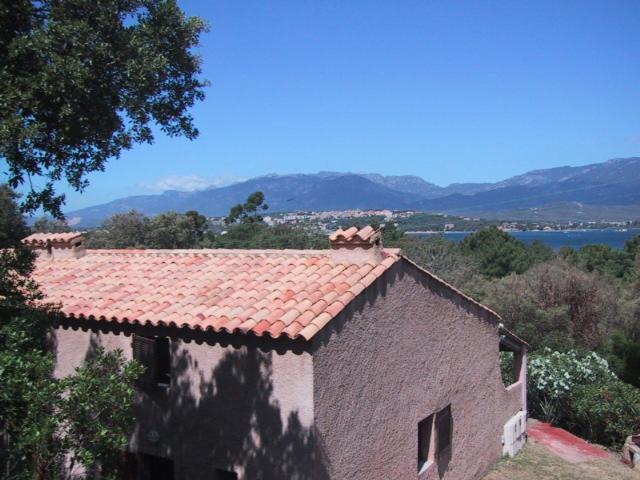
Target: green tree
<point x="540" y="252"/>
<point x="43" y="420"/>
<point x="199" y="225"/>
<point x="391" y="233"/>
<point x="624" y="357"/>
<point x="83" y="80"/>
<point x="84" y="418"/>
<point x="50" y="225"/>
<point x="440" y="256"/>
<point x="605" y="260"/>
<point x="556" y="305"/>
<point x="630" y="300"/>
<point x="498" y="253"/>
<point x="174" y="230"/>
<point x="259" y="235"/>
<point x="12" y="225"/>
<point x="632" y="247"/>
<point x="122" y="230"/>
<point x="94" y="412"/>
<point x="569" y="254"/>
<point x="167" y="230"/>
<point x="247" y="212"/>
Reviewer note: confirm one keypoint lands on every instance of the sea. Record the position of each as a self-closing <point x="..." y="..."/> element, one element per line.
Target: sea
<point x="615" y="238"/>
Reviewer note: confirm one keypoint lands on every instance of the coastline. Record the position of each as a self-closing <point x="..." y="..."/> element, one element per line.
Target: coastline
<point x="567" y="230"/>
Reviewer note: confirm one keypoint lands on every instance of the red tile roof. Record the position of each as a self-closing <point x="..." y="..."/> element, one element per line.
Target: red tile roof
<point x="290" y="293"/>
<point x="41" y="239"/>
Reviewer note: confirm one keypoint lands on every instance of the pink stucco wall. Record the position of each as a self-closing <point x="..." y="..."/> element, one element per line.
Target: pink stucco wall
<point x="242" y="408"/>
<point x="404" y="352"/>
<point x="345" y="407"/>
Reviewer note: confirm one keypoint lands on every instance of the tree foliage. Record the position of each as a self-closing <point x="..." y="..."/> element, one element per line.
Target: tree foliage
<point x="556" y="305"/>
<point x="94" y="412"/>
<point x="84" y="80"/>
<point x="497" y="252"/>
<point x="53" y="425"/>
<point x="606" y="413"/>
<point x="604" y="260"/>
<point x="247" y="212"/>
<point x="259" y="235"/>
<point x="191" y="230"/>
<point x="625" y="357"/>
<point x="50" y="225"/>
<point x="440" y="256"/>
<point x="44" y="420"/>
<point x="12" y="225"/>
<point x="172" y="230"/>
<point x="167" y="230"/>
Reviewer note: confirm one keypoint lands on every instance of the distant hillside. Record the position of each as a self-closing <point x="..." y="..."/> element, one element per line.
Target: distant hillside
<point x="609" y="190"/>
<point x="283" y="193"/>
<point x="409" y="184"/>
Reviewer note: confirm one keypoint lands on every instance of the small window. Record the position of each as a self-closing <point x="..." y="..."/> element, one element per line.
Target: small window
<point x="434" y="437"/>
<point x="225" y="475"/>
<point x="154" y="354"/>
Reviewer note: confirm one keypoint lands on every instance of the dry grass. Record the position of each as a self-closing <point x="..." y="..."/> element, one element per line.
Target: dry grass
<point x="535" y="462"/>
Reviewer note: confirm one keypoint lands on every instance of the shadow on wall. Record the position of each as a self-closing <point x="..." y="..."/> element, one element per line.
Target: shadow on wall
<point x="231" y="422"/>
<point x="444" y="459"/>
<point x="95" y="343"/>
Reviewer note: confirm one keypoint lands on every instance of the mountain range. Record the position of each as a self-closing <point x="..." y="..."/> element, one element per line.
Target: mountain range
<point x="601" y="191"/>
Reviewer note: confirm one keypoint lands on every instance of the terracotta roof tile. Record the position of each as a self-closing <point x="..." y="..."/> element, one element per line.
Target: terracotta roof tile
<point x="291" y="293"/>
<point x="41" y="239"/>
<point x="354" y="235"/>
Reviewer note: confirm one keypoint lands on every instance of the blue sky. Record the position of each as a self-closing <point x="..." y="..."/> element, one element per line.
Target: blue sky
<point x="451" y="91"/>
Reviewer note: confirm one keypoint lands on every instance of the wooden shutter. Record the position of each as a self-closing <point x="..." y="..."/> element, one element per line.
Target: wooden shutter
<point x="144" y="351"/>
<point x="425" y="428"/>
<point x="444" y="427"/>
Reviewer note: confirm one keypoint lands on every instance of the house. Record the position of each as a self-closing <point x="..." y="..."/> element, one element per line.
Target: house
<point x="345" y="363"/>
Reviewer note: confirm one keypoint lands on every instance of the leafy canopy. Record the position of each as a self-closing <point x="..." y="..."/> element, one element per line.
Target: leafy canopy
<point x="135" y="230"/>
<point x="83" y="80"/>
<point x="85" y="418"/>
<point x="497" y="252"/>
<point x="247" y="212"/>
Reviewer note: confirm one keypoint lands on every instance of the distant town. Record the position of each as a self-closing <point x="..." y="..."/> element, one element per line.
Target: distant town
<point x="411" y="221"/>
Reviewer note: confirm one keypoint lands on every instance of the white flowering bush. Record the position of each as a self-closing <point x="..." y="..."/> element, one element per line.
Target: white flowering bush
<point x="554" y="375"/>
<point x="579" y="392"/>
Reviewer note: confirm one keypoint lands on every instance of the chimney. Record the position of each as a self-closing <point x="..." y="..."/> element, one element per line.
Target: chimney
<point x="356" y="246"/>
<point x="56" y="245"/>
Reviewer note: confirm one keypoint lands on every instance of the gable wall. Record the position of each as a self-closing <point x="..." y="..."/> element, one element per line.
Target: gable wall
<point x="399" y="353"/>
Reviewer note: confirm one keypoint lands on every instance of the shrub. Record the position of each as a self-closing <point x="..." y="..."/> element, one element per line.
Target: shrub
<point x="554" y="375"/>
<point x="624" y="357"/>
<point x="579" y="392"/>
<point x="556" y="305"/>
<point x="605" y="413"/>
